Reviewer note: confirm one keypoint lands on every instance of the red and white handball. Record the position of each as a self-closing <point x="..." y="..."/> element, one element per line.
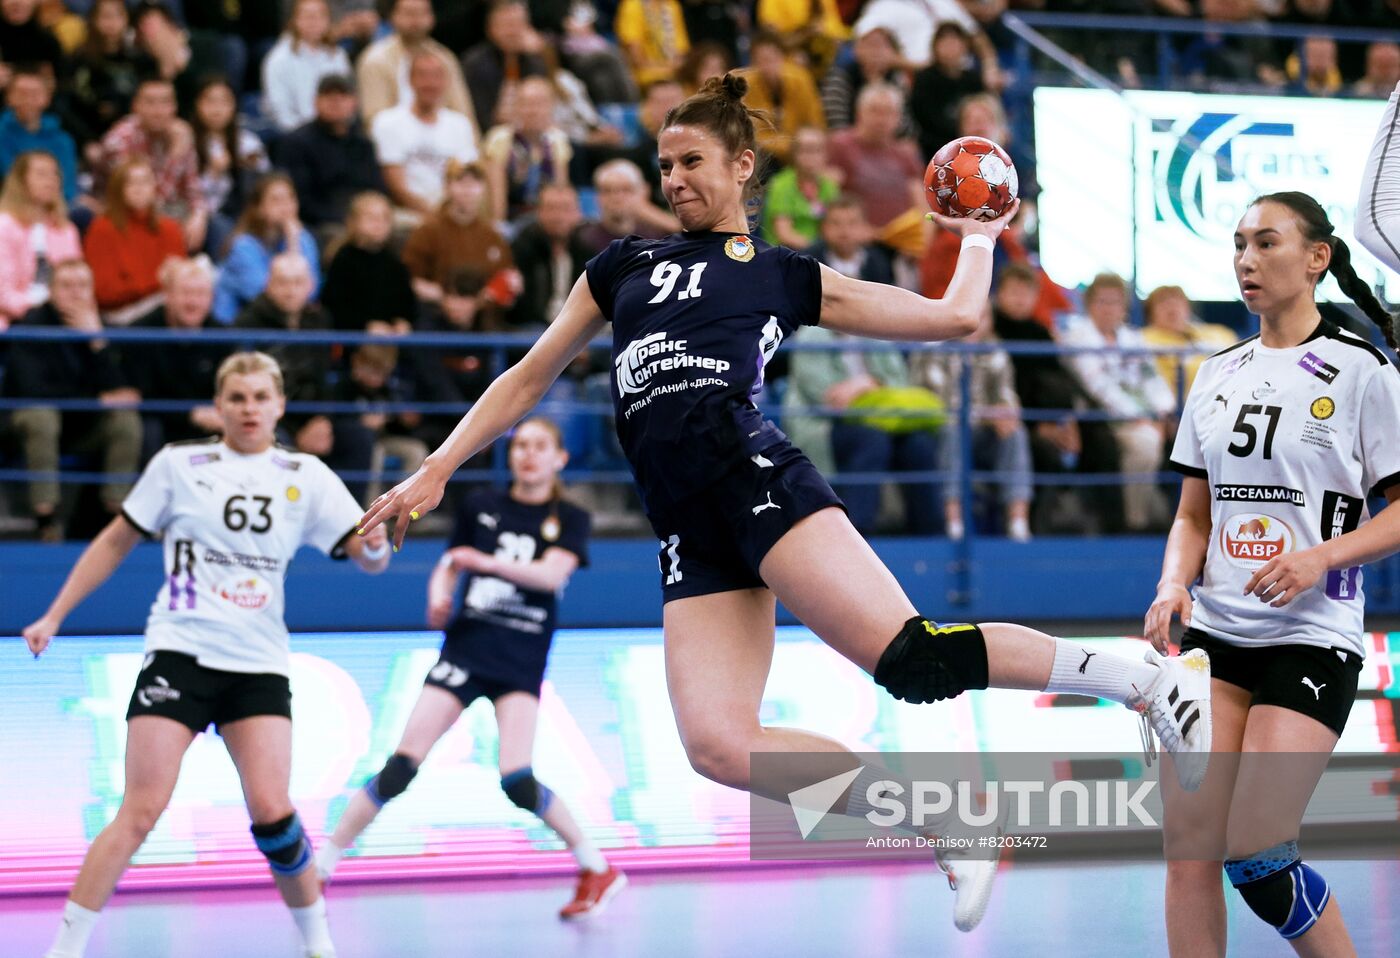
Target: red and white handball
<point x="971" y="177"/>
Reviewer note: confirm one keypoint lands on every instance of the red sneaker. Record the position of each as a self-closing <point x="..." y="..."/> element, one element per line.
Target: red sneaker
<point x="594" y="891"/>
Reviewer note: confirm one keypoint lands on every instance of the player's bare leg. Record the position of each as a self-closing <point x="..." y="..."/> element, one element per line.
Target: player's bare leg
<point x="155" y="747"/>
<point x="517" y="714"/>
<point x="261" y="749"/>
<point x="1282" y="789"/>
<point x="432" y="717"/>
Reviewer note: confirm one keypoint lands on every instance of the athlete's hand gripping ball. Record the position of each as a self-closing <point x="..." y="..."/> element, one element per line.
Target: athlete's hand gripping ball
<point x="971" y="178"/>
<point x="407" y="502"/>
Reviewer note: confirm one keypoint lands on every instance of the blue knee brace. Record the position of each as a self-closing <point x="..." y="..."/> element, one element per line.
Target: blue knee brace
<point x="526" y="791"/>
<point x="1280" y="888"/>
<point x="284" y="845"/>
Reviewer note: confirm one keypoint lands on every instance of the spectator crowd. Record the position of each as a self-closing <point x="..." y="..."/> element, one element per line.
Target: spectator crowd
<point x="440" y="166"/>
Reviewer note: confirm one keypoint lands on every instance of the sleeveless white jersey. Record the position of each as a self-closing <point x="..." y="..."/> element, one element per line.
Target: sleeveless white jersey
<point x="1291" y="442"/>
<point x="230" y="524"/>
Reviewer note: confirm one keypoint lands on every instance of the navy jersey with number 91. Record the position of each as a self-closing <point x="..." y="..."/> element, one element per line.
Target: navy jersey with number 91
<point x="696" y="317"/>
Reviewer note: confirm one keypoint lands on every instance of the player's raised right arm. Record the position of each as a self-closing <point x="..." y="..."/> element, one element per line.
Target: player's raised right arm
<point x="1378" y="206"/>
<point x="98" y="561"/>
<point x="505" y="403"/>
<point x="880" y="311"/>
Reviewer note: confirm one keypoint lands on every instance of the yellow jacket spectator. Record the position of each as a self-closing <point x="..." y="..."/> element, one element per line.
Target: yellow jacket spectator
<point x="653" y="34"/>
<point x="811" y="26"/>
<point x="1167" y="312"/>
<point x="785" y="92"/>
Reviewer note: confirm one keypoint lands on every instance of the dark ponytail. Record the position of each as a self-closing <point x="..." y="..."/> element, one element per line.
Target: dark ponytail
<point x="718" y="107"/>
<point x="1317" y="228"/>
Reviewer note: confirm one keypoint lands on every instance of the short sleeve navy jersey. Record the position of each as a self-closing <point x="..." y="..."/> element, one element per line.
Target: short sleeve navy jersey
<point x="696" y="317"/>
<point x="501" y="630"/>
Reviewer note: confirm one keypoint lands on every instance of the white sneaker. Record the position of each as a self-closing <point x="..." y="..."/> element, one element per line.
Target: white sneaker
<point x="1176" y="705"/>
<point x="971" y="880"/>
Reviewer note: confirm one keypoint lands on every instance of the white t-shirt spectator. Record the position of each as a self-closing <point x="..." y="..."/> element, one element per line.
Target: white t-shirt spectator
<point x="423" y="149"/>
<point x="914" y="23"/>
<point x="291" y="74"/>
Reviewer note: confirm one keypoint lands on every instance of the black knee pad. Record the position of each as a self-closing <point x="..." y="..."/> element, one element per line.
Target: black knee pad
<point x="526" y="791"/>
<point x="391" y="780"/>
<point x="928" y="662"/>
<point x="284" y="845"/>
<point x="1280" y="888"/>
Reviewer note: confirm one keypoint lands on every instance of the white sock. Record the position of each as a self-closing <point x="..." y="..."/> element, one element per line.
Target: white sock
<point x="1085" y="671"/>
<point x="589" y="858"/>
<point x="315" y="930"/>
<point x="327" y="858"/>
<point x="78" y="923"/>
<point x="858" y="801"/>
<point x="955" y="530"/>
<point x="1018" y="530"/>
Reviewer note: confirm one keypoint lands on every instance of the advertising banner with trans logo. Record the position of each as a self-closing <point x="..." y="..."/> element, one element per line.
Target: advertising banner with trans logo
<point x="1150" y="184"/>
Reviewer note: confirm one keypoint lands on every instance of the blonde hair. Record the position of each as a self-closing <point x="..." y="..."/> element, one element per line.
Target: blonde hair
<point x="15" y="198"/>
<point x="350" y="235"/>
<point x="249" y="364"/>
<point x="1159" y="296"/>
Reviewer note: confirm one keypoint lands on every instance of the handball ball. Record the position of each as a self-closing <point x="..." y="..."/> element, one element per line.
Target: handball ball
<point x="970" y="177"/>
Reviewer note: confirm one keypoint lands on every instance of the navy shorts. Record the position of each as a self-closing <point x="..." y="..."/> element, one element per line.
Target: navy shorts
<point x="1316" y="682"/>
<point x="714" y="541"/>
<point x="453" y="673"/>
<point x="174" y="685"/>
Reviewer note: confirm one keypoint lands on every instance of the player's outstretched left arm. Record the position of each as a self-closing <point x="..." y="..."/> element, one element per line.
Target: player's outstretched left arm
<point x="878" y="311"/>
<point x="505" y="402"/>
<point x="98" y="561"/>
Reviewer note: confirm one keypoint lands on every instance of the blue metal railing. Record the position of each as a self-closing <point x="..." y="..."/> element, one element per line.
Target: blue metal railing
<point x="1026" y="27"/>
<point x="499" y="346"/>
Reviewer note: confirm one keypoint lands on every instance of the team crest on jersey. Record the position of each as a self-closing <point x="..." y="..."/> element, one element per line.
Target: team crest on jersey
<point x="739" y="248"/>
<point x="1250" y="539"/>
<point x="1322" y="407"/>
<point x="248" y="592"/>
<point x="293" y="493"/>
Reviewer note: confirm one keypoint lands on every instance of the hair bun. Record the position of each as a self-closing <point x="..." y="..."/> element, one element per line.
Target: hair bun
<point x="734" y="86"/>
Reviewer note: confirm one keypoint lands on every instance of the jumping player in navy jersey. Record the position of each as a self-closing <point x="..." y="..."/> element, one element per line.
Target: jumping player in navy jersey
<point x="519" y="548"/>
<point x="1272" y="530"/>
<point x="743" y="517"/>
<point x="232" y="512"/>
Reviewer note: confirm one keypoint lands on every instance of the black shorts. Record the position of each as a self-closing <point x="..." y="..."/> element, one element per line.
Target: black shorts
<point x="468" y="686"/>
<point x="714" y="541"/>
<point x="174" y="685"/>
<point x="1316" y="682"/>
